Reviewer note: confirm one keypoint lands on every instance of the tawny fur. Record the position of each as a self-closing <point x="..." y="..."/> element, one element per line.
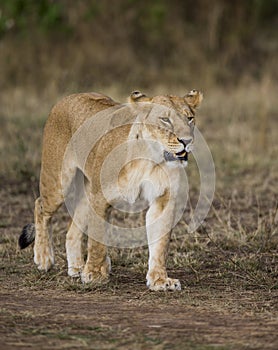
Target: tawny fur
<point x="151" y="179"/>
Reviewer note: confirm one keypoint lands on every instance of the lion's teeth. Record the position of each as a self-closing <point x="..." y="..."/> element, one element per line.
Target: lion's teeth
<point x="182" y="155"/>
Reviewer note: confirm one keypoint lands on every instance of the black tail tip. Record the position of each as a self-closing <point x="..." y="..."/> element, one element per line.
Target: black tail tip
<point x="27" y="236"/>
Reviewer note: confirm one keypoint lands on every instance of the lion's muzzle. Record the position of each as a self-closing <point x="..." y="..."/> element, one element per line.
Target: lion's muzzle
<point x="182" y="155"/>
<point x="170" y="157"/>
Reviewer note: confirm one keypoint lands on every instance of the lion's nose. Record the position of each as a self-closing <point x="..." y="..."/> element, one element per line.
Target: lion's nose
<point x="188" y="144"/>
<point x="186" y="141"/>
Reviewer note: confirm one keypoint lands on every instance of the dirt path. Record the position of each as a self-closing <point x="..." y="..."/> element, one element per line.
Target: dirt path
<point x="48" y="319"/>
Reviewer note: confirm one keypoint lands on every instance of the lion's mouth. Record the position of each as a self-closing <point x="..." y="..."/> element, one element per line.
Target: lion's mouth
<point x="181" y="156"/>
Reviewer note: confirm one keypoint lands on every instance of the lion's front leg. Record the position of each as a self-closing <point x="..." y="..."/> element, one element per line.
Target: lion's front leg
<point x="159" y="222"/>
<point x="98" y="265"/>
<point x="74" y="250"/>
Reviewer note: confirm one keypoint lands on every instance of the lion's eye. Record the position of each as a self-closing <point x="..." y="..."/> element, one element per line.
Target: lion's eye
<point x="190" y="119"/>
<point x="166" y="120"/>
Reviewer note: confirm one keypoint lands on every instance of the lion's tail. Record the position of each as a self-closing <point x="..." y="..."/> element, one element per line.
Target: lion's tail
<point x="27" y="236"/>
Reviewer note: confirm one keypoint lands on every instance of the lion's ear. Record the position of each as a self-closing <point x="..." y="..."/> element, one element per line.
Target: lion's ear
<point x="138" y="96"/>
<point x="194" y="98"/>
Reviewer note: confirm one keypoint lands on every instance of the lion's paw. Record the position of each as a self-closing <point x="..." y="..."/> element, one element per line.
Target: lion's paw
<point x="164" y="284"/>
<point x="43" y="258"/>
<point x="75" y="271"/>
<point x="96" y="275"/>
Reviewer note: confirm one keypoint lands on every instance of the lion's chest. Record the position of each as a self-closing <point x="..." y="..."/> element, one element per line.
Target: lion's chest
<point x="142" y="180"/>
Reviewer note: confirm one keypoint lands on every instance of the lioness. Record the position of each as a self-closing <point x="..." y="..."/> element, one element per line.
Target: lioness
<point x="157" y="133"/>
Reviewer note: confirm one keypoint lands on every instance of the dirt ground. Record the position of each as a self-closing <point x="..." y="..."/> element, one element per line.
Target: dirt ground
<point x="219" y="306"/>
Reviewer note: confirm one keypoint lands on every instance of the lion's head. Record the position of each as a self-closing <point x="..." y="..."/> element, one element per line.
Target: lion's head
<point x="169" y="121"/>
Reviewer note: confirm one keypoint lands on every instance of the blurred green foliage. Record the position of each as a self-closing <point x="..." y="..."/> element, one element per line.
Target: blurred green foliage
<point x="49" y="15"/>
<point x="21" y="15"/>
<point x="221" y="37"/>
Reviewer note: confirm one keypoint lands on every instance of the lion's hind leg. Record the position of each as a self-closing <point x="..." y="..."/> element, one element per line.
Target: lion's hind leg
<point x="46" y="205"/>
<point x="43" y="248"/>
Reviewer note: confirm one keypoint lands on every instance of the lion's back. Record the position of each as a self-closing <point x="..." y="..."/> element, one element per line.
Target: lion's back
<point x="71" y="111"/>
